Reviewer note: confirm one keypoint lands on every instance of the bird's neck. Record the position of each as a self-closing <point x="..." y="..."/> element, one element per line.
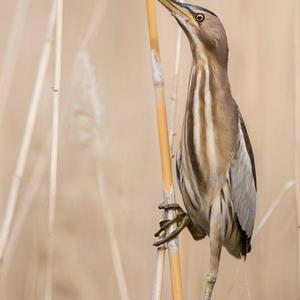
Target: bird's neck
<point x="207" y="67"/>
<point x="209" y="83"/>
<point x="207" y="126"/>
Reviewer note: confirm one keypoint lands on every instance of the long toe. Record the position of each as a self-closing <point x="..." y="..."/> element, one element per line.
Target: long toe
<point x="167" y="206"/>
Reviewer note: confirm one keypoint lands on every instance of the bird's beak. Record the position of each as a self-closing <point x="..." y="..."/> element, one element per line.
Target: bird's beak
<point x="177" y="8"/>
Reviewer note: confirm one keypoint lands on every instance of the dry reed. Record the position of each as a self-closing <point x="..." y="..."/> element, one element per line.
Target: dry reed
<point x="160" y="263"/>
<point x="94" y="22"/>
<point x="169" y="196"/>
<point x="28" y="200"/>
<point x="93" y="26"/>
<point x="11" y="52"/>
<point x="274" y="205"/>
<point x="297" y="126"/>
<point x="27" y="137"/>
<point x="54" y="149"/>
<point x="115" y="249"/>
<point x="26" y="205"/>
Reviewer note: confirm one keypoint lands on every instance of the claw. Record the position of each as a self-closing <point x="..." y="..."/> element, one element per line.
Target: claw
<point x="164" y="225"/>
<point x="181" y="217"/>
<point x="185" y="222"/>
<point x="166" y="206"/>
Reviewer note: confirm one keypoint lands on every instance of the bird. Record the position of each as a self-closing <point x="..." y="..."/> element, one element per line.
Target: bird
<point x="215" y="162"/>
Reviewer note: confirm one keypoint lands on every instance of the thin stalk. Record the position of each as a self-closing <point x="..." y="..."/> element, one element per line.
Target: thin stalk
<point x="297" y="126"/>
<point x="115" y="249"/>
<point x="32" y="187"/>
<point x="94" y="25"/>
<point x="270" y="211"/>
<point x="247" y="283"/>
<point x="54" y="148"/>
<point x="11" y="52"/>
<point x="27" y="137"/>
<point x="159" y="273"/>
<point x="29" y="194"/>
<point x="169" y="196"/>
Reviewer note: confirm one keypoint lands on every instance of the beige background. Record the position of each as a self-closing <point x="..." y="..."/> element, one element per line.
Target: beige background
<point x="109" y="166"/>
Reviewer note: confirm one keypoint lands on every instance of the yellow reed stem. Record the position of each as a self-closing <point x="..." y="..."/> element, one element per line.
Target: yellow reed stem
<point x="297" y="126"/>
<point x="169" y="197"/>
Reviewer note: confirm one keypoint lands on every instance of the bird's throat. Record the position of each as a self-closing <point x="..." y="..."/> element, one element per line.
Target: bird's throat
<point x="206" y="91"/>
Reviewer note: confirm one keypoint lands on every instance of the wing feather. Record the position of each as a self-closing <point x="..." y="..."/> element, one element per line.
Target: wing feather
<point x="243" y="182"/>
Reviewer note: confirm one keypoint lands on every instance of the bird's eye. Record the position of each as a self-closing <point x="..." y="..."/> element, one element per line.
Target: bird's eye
<point x="199" y="18"/>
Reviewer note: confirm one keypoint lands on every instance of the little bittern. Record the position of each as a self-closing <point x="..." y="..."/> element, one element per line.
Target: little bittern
<point x="215" y="163"/>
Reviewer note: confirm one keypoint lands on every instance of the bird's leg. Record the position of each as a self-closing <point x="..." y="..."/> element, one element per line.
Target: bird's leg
<point x="215" y="254"/>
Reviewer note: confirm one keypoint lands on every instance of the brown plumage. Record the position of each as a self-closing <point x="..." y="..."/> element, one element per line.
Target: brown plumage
<point x="215" y="163"/>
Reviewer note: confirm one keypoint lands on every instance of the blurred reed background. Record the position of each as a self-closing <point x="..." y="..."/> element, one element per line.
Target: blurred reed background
<point x="109" y="177"/>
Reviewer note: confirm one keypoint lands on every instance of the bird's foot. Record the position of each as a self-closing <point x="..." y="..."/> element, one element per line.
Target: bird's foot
<point x="209" y="286"/>
<point x="171" y="206"/>
<point x="181" y="219"/>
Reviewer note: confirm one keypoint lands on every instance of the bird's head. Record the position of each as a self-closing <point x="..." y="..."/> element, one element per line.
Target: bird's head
<point x="203" y="28"/>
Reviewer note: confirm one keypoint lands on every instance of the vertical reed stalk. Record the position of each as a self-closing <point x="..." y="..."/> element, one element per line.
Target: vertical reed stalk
<point x="27" y="137"/>
<point x="115" y="249"/>
<point x="297" y="126"/>
<point x="11" y="52"/>
<point x="169" y="196"/>
<point x="160" y="261"/>
<point x="25" y="206"/>
<point x="54" y="148"/>
<point x="29" y="197"/>
<point x="94" y="25"/>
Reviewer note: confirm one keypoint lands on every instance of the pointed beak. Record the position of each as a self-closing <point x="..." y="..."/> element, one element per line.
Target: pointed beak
<point x="177" y="9"/>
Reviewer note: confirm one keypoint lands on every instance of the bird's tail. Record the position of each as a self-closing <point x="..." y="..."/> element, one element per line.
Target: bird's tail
<point x="238" y="245"/>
